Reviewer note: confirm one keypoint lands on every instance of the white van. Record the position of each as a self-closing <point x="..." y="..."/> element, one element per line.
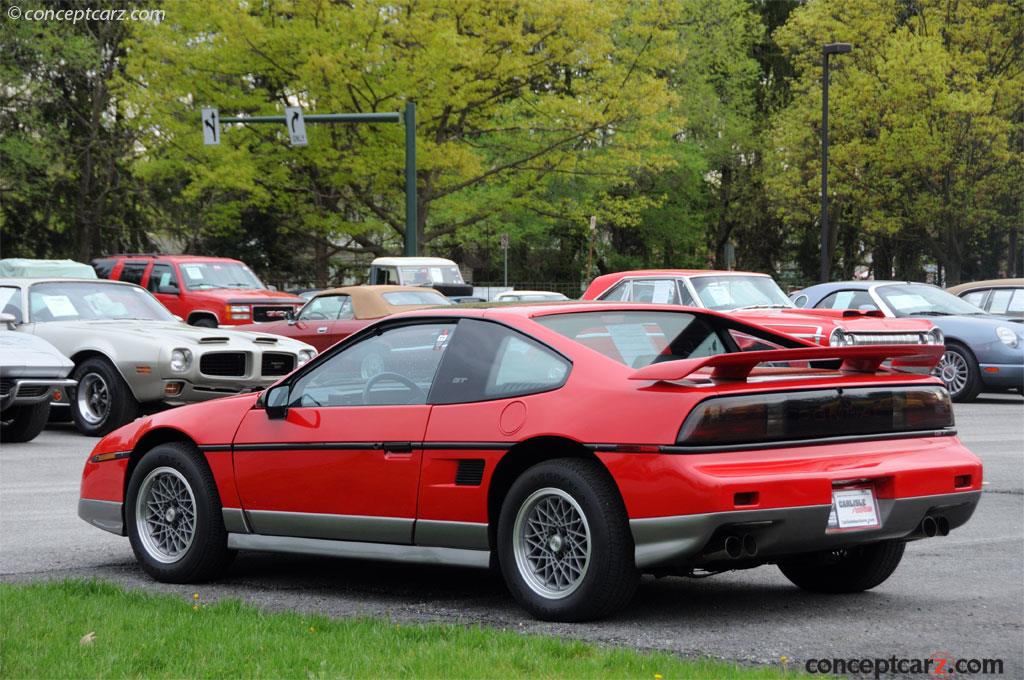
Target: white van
<point x="432" y="272"/>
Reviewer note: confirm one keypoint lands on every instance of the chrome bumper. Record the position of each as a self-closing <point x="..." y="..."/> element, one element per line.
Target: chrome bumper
<point x="21" y="394"/>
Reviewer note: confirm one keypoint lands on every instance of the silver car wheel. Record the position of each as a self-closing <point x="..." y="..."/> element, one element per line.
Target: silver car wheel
<point x="93" y="398"/>
<point x="953" y="370"/>
<point x="551" y="543"/>
<point x="165" y="515"/>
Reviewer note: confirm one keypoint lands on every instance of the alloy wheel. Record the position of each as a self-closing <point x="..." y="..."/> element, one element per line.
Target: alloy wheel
<point x="93" y="397"/>
<point x="165" y="514"/>
<point x="953" y="370"/>
<point x="552" y="543"/>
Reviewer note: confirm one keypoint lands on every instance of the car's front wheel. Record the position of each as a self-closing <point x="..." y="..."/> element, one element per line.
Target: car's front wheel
<point x="173" y="515"/>
<point x="847" y="570"/>
<point x="23" y="423"/>
<point x="564" y="543"/>
<point x="103" y="402"/>
<point x="959" y="371"/>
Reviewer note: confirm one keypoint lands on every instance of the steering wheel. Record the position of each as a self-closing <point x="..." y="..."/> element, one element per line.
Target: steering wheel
<point x="418" y="391"/>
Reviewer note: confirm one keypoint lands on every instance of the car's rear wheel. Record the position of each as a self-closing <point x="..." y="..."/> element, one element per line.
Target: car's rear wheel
<point x="102" y="401"/>
<point x="173" y="514"/>
<point x="959" y="371"/>
<point x="23" y="423"/>
<point x="847" y="570"/>
<point x="564" y="543"/>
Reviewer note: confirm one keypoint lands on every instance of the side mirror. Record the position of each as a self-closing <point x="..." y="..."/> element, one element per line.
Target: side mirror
<point x="8" y="320"/>
<point x="168" y="290"/>
<point x="272" y="287"/>
<point x="275" y="402"/>
<point x="292" y="317"/>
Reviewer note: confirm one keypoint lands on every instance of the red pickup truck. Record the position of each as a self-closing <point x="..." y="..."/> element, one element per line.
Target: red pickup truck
<point x="204" y="291"/>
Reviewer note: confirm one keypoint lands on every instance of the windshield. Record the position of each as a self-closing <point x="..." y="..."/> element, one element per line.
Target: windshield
<point x="415" y="297"/>
<point x="739" y="292"/>
<point x="206" y="275"/>
<point x="84" y="301"/>
<point x="638" y="339"/>
<point x="910" y="299"/>
<point x="425" y="275"/>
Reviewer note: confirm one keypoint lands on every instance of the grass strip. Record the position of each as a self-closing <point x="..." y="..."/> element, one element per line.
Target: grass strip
<point x="92" y="629"/>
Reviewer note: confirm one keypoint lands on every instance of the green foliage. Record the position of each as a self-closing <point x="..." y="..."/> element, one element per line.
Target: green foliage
<point x="77" y="629"/>
<point x="926" y="129"/>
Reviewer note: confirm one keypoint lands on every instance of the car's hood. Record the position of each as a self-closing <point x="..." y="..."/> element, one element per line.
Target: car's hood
<point x="23" y="355"/>
<point x="180" y="333"/>
<point x="829" y="319"/>
<point x="250" y="295"/>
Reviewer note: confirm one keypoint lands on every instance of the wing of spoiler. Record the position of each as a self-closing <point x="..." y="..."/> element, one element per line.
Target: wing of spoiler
<point x="738" y="365"/>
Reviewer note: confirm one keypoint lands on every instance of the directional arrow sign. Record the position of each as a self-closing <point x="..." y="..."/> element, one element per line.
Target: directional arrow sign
<point x="211" y="126"/>
<point x="296" y="125"/>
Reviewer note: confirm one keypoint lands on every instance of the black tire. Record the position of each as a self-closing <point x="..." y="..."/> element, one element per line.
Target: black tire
<point x="207" y="555"/>
<point x="23" y="423"/>
<point x="609" y="577"/>
<point x="971" y="387"/>
<point x="120" y="408"/>
<point x="203" y="322"/>
<point x="851" y="570"/>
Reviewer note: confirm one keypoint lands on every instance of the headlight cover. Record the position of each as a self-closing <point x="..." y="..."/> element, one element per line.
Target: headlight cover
<point x="1007" y="336"/>
<point x="837" y="338"/>
<point x="935" y="337"/>
<point x="239" y="311"/>
<point x="305" y="356"/>
<point x="181" y="360"/>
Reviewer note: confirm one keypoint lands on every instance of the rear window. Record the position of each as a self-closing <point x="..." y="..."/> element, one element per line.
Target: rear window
<point x="415" y="297"/>
<point x="638" y="339"/>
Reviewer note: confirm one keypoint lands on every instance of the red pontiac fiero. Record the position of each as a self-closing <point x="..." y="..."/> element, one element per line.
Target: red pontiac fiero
<point x="576" y="446"/>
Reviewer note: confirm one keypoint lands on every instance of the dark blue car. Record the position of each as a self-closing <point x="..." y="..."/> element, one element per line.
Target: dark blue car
<point x="984" y="352"/>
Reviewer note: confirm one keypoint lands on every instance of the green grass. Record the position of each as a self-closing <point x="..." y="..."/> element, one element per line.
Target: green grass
<point x="146" y="635"/>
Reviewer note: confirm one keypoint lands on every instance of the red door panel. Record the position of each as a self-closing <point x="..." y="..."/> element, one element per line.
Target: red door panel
<point x="336" y="465"/>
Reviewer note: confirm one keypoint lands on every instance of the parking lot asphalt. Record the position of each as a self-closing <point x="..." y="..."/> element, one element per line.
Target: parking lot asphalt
<point x="962" y="595"/>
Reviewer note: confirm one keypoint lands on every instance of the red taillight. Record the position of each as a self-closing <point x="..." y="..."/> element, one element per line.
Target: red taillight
<point x="816" y="414"/>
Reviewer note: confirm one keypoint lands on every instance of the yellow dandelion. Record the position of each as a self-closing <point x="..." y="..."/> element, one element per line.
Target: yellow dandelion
<point x="312" y="629"/>
<point x="657" y="676"/>
<point x="195" y="596"/>
<point x="195" y="607"/>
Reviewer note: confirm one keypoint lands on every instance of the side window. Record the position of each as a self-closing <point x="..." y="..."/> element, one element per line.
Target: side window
<point x="976" y="297"/>
<point x="104" y="266"/>
<point x="659" y="292"/>
<point x="10" y="302"/>
<point x="324" y="308"/>
<point x="162" y="279"/>
<point x="346" y="311"/>
<point x="395" y="367"/>
<point x="1017" y="301"/>
<point x="1000" y="301"/>
<point x="618" y="292"/>
<point x="385" y="276"/>
<point x="684" y="295"/>
<point x="132" y="272"/>
<point x="491" y="361"/>
<point x="847" y="299"/>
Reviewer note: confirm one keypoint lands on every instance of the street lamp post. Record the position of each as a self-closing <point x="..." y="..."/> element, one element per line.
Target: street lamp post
<point x="826" y="256"/>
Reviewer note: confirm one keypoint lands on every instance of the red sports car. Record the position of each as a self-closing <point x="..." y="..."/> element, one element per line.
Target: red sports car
<point x="576" y="445"/>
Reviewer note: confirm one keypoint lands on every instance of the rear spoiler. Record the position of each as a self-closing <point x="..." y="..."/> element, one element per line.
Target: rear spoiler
<point x="738" y="365"/>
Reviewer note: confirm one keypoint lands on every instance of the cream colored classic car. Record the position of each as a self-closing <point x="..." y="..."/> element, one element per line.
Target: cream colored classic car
<point x="130" y="353"/>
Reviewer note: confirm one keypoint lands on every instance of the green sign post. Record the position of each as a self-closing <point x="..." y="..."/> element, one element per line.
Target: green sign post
<point x="295" y="122"/>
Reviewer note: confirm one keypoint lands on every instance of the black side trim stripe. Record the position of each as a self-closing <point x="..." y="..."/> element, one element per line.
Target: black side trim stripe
<point x="948" y="432"/>
<point x="363" y="446"/>
<point x="215" y="447"/>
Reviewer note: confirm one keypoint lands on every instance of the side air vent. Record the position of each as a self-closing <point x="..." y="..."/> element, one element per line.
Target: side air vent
<point x="470" y="472"/>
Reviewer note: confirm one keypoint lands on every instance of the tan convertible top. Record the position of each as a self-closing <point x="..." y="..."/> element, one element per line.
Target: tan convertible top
<point x="368" y="301"/>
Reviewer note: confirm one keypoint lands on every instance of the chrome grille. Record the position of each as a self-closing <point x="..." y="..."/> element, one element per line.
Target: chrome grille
<point x="270" y="312"/>
<point x="886" y="338"/>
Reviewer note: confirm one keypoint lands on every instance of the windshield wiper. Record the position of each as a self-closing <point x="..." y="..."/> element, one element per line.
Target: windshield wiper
<point x="930" y="313"/>
<point x="736" y="309"/>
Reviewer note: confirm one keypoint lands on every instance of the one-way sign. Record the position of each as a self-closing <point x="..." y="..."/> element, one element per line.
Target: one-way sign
<point x="211" y="126"/>
<point x="296" y="125"/>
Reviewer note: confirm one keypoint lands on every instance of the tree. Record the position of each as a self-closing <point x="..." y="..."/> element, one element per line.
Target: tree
<point x="515" y="99"/>
<point x="926" y="123"/>
<point x="66" y="187"/>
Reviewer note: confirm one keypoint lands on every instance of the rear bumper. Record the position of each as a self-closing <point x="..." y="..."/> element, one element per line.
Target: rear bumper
<point x="683" y="540"/>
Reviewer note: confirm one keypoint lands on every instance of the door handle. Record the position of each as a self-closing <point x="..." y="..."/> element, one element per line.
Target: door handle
<point x="321" y="329"/>
<point x="397" y="447"/>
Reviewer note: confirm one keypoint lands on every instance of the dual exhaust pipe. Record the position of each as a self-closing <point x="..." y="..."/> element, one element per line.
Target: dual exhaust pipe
<point x="731" y="547"/>
<point x="930" y="526"/>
